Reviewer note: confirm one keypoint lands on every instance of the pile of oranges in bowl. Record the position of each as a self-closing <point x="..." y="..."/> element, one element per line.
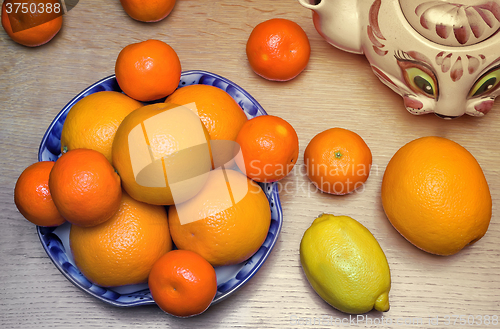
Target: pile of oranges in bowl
<point x="136" y="181"/>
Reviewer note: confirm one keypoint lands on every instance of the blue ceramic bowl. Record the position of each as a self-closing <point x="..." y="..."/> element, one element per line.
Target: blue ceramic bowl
<point x="55" y="241"/>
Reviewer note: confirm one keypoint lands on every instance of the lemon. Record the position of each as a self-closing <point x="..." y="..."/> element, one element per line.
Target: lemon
<point x="345" y="265"/>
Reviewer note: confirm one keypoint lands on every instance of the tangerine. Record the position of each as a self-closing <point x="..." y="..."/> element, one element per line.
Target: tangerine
<point x="182" y="283"/>
<point x="85" y="188"/>
<point x="269" y="148"/>
<point x="32" y="27"/>
<point x="338" y="161"/>
<point x="278" y="49"/>
<point x="33" y="198"/>
<point x="148" y="70"/>
<point x="148" y="11"/>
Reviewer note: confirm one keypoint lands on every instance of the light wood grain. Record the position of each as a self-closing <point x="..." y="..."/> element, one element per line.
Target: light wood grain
<point x="336" y="89"/>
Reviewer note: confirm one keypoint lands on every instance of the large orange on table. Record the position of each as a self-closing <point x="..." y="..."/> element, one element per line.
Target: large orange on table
<point x="182" y="283"/>
<point x="226" y="222"/>
<point x="32" y="22"/>
<point x="85" y="187"/>
<point x="33" y="198"/>
<point x="435" y="194"/>
<point x="338" y="161"/>
<point x="278" y="49"/>
<point x="269" y="148"/>
<point x="147" y="10"/>
<point x="122" y="250"/>
<point x="92" y="122"/>
<point x="148" y="70"/>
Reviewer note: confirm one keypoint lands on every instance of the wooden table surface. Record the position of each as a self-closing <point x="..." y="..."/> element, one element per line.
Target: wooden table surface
<point x="337" y="89"/>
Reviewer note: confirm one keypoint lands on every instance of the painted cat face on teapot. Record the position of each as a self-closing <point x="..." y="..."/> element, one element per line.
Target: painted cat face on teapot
<point x="442" y="57"/>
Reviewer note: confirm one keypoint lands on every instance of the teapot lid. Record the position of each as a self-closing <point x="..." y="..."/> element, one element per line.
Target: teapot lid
<point x="458" y="23"/>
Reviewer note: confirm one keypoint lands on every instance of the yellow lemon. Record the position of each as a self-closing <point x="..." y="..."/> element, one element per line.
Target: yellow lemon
<point x="345" y="265"/>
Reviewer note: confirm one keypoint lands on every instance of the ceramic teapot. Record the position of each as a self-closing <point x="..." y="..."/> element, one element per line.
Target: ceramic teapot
<point x="442" y="57"/>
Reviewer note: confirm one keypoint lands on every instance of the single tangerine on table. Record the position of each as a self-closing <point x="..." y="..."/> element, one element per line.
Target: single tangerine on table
<point x="278" y="49"/>
<point x="182" y="283"/>
<point x="34" y="27"/>
<point x="85" y="188"/>
<point x="435" y="194"/>
<point x="269" y="148"/>
<point x="122" y="250"/>
<point x="148" y="70"/>
<point x="33" y="198"/>
<point x="338" y="161"/>
<point x="147" y="10"/>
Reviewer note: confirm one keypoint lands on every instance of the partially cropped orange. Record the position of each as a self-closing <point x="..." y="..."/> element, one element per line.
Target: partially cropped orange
<point x="226" y="222"/>
<point x="147" y="10"/>
<point x="218" y="111"/>
<point x="182" y="283"/>
<point x="37" y="25"/>
<point x="278" y="49"/>
<point x="92" y="122"/>
<point x="148" y="70"/>
<point x="338" y="161"/>
<point x="85" y="187"/>
<point x="122" y="250"/>
<point x="269" y="148"/>
<point x="32" y="195"/>
<point x="160" y="144"/>
<point x="435" y="194"/>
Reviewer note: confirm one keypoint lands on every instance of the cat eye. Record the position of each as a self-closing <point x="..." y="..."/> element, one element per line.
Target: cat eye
<point x="421" y="81"/>
<point x="487" y="83"/>
<point x="419" y="78"/>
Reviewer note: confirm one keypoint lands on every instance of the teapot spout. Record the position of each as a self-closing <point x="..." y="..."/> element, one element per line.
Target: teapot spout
<point x="338" y="22"/>
<point x="310" y="4"/>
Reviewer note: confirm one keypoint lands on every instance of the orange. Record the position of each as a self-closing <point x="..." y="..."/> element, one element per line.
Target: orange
<point x="220" y="114"/>
<point x="218" y="111"/>
<point x="122" y="250"/>
<point x="147" y="10"/>
<point x="269" y="148"/>
<point x="182" y="283"/>
<point x="85" y="187"/>
<point x="278" y="49"/>
<point x="92" y="122"/>
<point x="338" y="161"/>
<point x="435" y="194"/>
<point x="32" y="23"/>
<point x="226" y="222"/>
<point x="158" y="145"/>
<point x="32" y="195"/>
<point x="148" y="70"/>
